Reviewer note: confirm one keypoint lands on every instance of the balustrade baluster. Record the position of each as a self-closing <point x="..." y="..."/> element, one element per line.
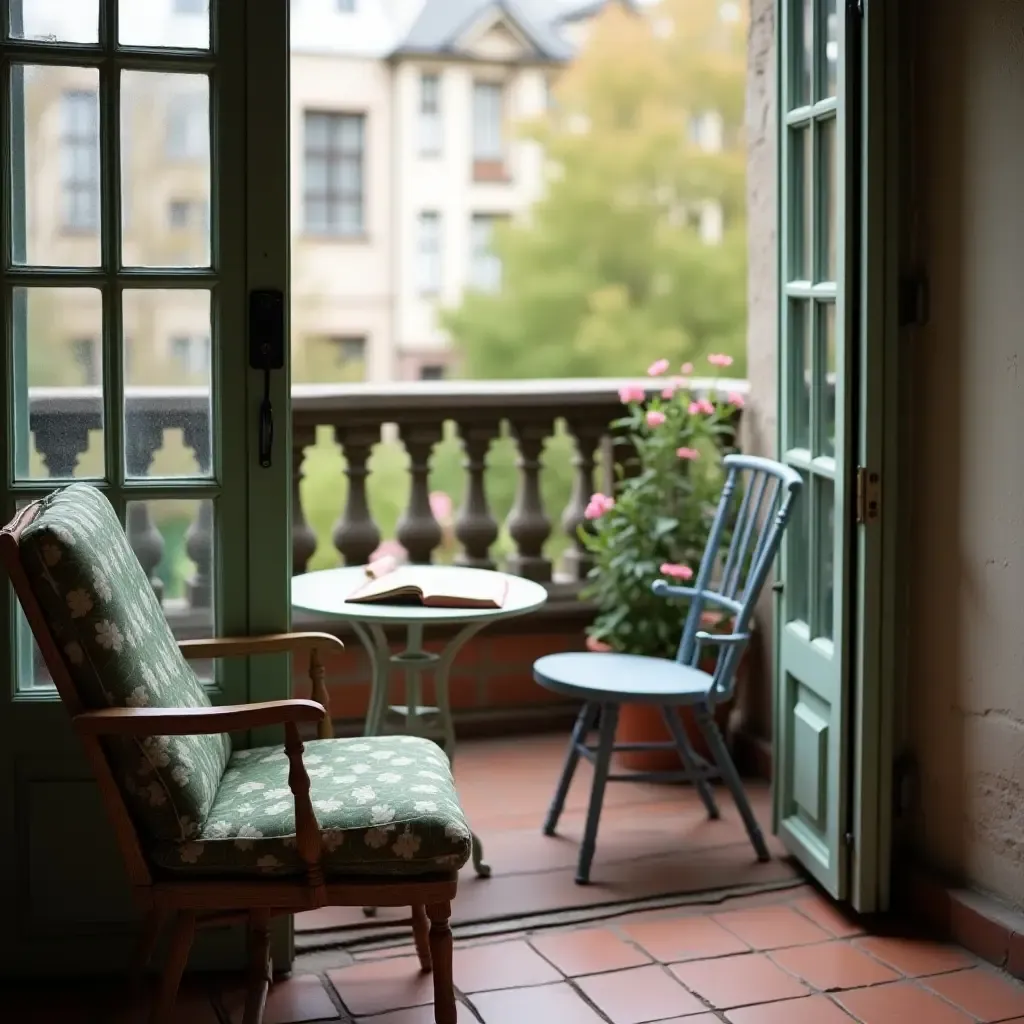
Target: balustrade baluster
<point x="303" y="538"/>
<point x="475" y="527"/>
<point x="143" y="437"/>
<point x="355" y="534"/>
<point x="588" y="436"/>
<point x="527" y="523"/>
<point x="60" y="441"/>
<point x="418" y="531"/>
<point x="199" y="536"/>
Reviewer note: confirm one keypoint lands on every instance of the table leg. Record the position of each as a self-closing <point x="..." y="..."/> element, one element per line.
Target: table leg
<point x="374" y="641"/>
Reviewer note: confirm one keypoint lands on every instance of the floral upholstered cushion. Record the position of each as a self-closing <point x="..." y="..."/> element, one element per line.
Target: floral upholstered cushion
<point x="120" y="652"/>
<point x="386" y="806"/>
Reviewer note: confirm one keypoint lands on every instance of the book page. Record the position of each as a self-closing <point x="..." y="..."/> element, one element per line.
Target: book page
<point x="445" y="582"/>
<point x="388" y="583"/>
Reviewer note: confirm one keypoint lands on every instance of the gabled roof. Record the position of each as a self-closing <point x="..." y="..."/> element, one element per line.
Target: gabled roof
<point x="590" y="8"/>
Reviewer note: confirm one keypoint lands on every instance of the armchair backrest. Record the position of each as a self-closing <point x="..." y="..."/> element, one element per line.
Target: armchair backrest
<point x="107" y="644"/>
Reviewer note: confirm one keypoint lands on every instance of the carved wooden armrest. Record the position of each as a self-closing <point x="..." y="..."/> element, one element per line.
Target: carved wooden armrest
<point x="275" y="643"/>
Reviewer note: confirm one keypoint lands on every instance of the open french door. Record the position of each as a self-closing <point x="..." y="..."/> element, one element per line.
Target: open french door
<point x="144" y="186"/>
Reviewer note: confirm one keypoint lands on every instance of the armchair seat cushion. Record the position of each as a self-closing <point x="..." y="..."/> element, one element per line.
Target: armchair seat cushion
<point x="386" y="806"/>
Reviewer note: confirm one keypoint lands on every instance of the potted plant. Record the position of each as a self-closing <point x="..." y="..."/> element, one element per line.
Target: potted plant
<point x="655" y="525"/>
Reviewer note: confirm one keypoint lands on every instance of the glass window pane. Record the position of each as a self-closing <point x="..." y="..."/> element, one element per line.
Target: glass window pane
<point x="825" y="509"/>
<point x="56" y="21"/>
<point x="827" y="191"/>
<point x="55" y="208"/>
<point x="798" y="559"/>
<point x="182" y="24"/>
<point x="827" y="386"/>
<point x="803" y="51"/>
<point x="799" y="364"/>
<point x="58" y="390"/>
<point x="830" y="37"/>
<point x="167" y="374"/>
<point x="165" y="143"/>
<point x="801" y="185"/>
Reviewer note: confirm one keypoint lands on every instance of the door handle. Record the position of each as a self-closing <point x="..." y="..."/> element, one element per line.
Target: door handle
<point x="778" y="586"/>
<point x="266" y="353"/>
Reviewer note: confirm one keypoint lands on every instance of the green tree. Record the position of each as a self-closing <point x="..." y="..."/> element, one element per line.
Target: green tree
<point x="609" y="271"/>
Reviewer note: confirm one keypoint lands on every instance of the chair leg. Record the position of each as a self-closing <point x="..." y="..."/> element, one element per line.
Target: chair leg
<point x="177" y="956"/>
<point x="421" y="936"/>
<point x="584" y="723"/>
<point x="602" y="762"/>
<point x="689" y="758"/>
<point x="720" y="753"/>
<point x="441" y="949"/>
<point x="259" y="966"/>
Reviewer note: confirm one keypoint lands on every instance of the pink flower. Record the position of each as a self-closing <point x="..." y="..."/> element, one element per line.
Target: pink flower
<point x="598" y="505"/>
<point x="688" y="453"/>
<point x="719" y="359"/>
<point x="441" y="506"/>
<point x="655" y="418"/>
<point x="686" y="369"/>
<point x="673" y="385"/>
<point x="677" y="572"/>
<point x="389" y="549"/>
<point x="667" y="392"/>
<point x="631" y="394"/>
<point x="705" y="406"/>
<point x="657" y="368"/>
<point x="735" y="398"/>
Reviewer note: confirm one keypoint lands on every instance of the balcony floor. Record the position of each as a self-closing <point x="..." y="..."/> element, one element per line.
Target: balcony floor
<point x="775" y="957"/>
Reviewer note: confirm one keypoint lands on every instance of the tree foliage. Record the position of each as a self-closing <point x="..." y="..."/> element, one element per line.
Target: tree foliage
<point x="608" y="268"/>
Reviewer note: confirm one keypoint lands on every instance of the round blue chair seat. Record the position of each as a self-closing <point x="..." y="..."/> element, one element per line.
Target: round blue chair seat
<point x="621" y="678"/>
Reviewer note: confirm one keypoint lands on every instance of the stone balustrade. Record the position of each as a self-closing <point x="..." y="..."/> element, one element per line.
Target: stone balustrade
<point x="417" y="416"/>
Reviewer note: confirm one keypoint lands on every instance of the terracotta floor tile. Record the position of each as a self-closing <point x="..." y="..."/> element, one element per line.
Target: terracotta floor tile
<point x="685" y="938"/>
<point x="554" y="1003"/>
<point x="828" y="916"/>
<point x="772" y="927"/>
<point x="590" y="951"/>
<point x="382" y="985"/>
<point x="899" y="1003"/>
<point x="980" y="991"/>
<point x="293" y="1000"/>
<point x="831" y="966"/>
<point x="813" y="1010"/>
<point x="417" y="1015"/>
<point x="738" y="981"/>
<point x="639" y="995"/>
<point x="916" y="957"/>
<point x="501" y="965"/>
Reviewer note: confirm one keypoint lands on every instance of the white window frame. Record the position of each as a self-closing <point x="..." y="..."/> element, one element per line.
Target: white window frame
<point x="431" y="125"/>
<point x="485" y="269"/>
<point x="488" y="112"/>
<point x="331" y="209"/>
<point x="429" y="246"/>
<point x="80" y="160"/>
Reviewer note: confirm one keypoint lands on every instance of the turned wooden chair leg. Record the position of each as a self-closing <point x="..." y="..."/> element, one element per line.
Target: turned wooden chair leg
<point x="441" y="949"/>
<point x="421" y="936"/>
<point x="259" y="967"/>
<point x="177" y="956"/>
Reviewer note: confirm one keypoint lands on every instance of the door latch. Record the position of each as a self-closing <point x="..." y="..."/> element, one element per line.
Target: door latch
<point x="266" y="353"/>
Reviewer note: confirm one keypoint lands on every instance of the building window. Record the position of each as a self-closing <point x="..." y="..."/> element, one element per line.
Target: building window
<point x="191" y="6"/>
<point x="431" y="371"/>
<point x="192" y="353"/>
<point x="188" y="136"/>
<point x="349" y="352"/>
<point x="488" y="125"/>
<point x="80" y="161"/>
<point x="430" y="114"/>
<point x="186" y="213"/>
<point x="428" y="249"/>
<point x="347" y="6"/>
<point x="484" y="265"/>
<point x="86" y="355"/>
<point x="333" y="188"/>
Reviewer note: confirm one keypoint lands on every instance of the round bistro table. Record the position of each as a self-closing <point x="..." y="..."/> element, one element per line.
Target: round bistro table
<point x="326" y="593"/>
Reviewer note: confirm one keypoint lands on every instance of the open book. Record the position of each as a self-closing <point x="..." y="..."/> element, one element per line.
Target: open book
<point x="431" y="586"/>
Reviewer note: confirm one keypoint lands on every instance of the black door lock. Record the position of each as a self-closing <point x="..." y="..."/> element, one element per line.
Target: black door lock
<point x="266" y="353"/>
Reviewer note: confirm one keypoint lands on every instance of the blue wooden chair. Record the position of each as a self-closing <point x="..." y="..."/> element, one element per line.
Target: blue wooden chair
<point x="766" y="492"/>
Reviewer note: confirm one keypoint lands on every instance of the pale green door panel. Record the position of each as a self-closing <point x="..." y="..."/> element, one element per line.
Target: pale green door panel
<point x="812" y="716"/>
<point x="127" y="255"/>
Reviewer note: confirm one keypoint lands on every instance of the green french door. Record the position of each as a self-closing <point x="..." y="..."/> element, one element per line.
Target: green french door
<point x="145" y="198"/>
<point x="812" y="706"/>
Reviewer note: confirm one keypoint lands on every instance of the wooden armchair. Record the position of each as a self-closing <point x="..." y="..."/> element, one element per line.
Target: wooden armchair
<point x="210" y="836"/>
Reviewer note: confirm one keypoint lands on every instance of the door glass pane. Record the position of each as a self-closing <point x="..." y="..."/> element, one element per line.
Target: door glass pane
<point x="804" y="51"/>
<point x="181" y="24"/>
<point x="165" y="169"/>
<point x="56" y="21"/>
<point x="827" y="386"/>
<point x="825" y="510"/>
<point x="56" y="197"/>
<point x="799" y="367"/>
<point x="58" y="390"/>
<point x="798" y="552"/>
<point x="827" y="193"/>
<point x="830" y="39"/>
<point x="167" y="374"/>
<point x="801" y="198"/>
<point x="173" y="540"/>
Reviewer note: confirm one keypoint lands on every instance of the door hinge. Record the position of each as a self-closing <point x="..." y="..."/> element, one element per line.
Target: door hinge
<point x="869" y="495"/>
<point x="913" y="301"/>
<point x="849" y="840"/>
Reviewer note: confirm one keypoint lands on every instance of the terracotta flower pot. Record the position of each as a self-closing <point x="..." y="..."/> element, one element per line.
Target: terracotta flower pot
<point x="642" y="723"/>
